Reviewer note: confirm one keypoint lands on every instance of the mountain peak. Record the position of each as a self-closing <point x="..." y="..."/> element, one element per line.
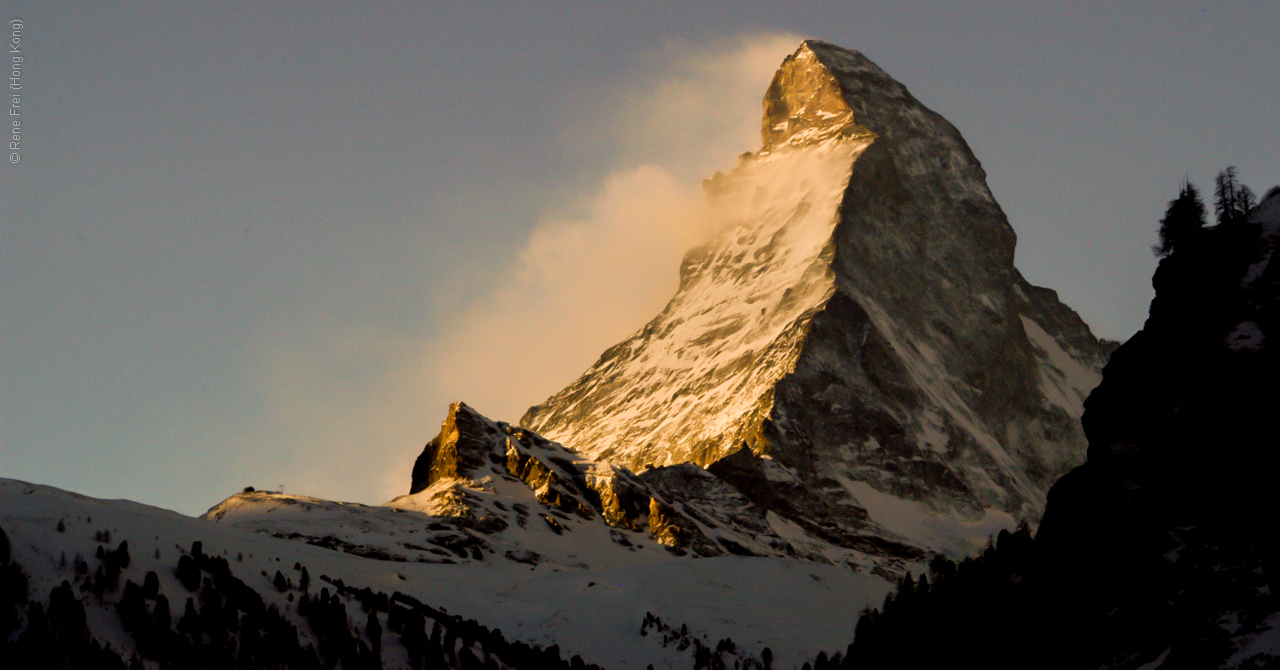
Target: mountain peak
<point x="805" y="102"/>
<point x="859" y="321"/>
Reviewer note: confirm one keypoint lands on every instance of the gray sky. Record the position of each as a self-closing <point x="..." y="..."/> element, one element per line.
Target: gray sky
<point x="267" y="243"/>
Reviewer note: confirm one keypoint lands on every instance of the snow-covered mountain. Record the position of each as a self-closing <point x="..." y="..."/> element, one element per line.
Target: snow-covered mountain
<point x="851" y="376"/>
<point x="851" y="372"/>
<point x="855" y="351"/>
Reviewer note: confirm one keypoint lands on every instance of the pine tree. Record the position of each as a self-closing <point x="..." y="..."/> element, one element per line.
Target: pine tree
<point x="99" y="583"/>
<point x="1246" y="200"/>
<point x="1232" y="200"/>
<point x="132" y="610"/>
<point x="189" y="624"/>
<point x="150" y="585"/>
<point x="121" y="555"/>
<point x="67" y="616"/>
<point x="1183" y="220"/>
<point x="161" y="614"/>
<point x="188" y="573"/>
<point x="374" y="630"/>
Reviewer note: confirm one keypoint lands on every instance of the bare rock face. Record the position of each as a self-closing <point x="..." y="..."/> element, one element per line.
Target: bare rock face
<point x="471" y="449"/>
<point x="706" y="514"/>
<point x="666" y="529"/>
<point x="462" y="448"/>
<point x="858" y="325"/>
<point x="1160" y="550"/>
<point x="488" y="483"/>
<point x="777" y="489"/>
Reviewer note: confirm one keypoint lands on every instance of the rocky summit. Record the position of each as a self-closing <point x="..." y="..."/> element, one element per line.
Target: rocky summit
<point x="854" y="352"/>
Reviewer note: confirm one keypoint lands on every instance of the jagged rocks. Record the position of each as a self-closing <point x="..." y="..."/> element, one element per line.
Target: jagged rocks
<point x="704" y="513"/>
<point x="685" y="508"/>
<point x="461" y="448"/>
<point x="665" y="529"/>
<point x="621" y="496"/>
<point x="772" y="487"/>
<point x="471" y="448"/>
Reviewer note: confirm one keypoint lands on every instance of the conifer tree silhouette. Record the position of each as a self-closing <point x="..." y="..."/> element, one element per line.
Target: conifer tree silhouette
<point x="1232" y="199"/>
<point x="1183" y="220"/>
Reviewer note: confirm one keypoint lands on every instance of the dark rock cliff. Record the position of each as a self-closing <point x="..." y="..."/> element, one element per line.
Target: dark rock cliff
<point x="1161" y="550"/>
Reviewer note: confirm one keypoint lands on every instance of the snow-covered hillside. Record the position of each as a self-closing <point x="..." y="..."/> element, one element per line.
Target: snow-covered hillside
<point x="596" y="612"/>
<point x="687" y="387"/>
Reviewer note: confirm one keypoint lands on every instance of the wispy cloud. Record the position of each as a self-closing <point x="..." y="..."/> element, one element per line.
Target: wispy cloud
<point x="585" y="280"/>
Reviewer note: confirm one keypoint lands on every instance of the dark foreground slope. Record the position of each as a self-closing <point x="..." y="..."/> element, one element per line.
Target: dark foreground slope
<point x="1161" y="550"/>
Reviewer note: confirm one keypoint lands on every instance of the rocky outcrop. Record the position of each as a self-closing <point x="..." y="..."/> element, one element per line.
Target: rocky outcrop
<point x="706" y="514"/>
<point x="667" y="531"/>
<point x="1157" y="538"/>
<point x="471" y="448"/>
<point x="777" y="489"/>
<point x="859" y="321"/>
<point x="461" y="448"/>
<point x="495" y="479"/>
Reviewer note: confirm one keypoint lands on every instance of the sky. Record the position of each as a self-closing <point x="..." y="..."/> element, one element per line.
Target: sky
<point x="265" y="244"/>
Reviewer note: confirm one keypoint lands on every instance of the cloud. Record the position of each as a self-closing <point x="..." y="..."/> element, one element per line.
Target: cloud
<point x="591" y="273"/>
<point x="585" y="282"/>
<point x="697" y="106"/>
<point x="579" y="286"/>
